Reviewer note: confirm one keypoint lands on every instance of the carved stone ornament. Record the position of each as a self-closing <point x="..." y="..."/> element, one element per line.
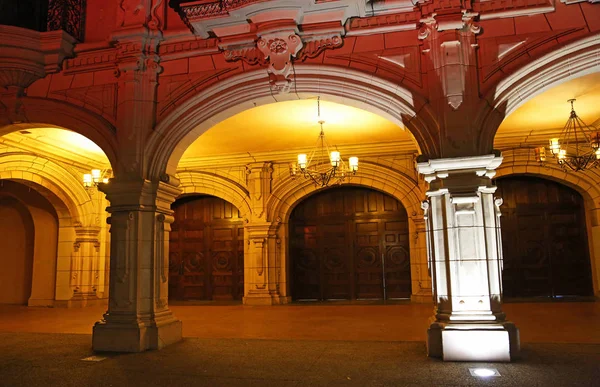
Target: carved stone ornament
<point x="279" y="48"/>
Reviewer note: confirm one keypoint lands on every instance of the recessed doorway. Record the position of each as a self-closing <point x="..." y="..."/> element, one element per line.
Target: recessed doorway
<point x="206" y="250"/>
<point x="544" y="239"/>
<point x="349" y="243"/>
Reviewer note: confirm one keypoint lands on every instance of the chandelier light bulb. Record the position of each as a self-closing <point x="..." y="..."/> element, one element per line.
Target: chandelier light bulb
<point x="540" y="154"/>
<point x="595" y="141"/>
<point x="302" y="160"/>
<point x="96" y="173"/>
<point x="562" y="154"/>
<point x="87" y="180"/>
<point x="554" y="146"/>
<point x="598" y="154"/>
<point x="335" y="159"/>
<point x="353" y="162"/>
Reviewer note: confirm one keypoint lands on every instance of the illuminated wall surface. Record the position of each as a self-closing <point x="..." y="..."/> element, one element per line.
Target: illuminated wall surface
<point x="183" y="102"/>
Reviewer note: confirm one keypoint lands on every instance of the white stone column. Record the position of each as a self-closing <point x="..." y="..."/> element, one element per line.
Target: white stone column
<point x="138" y="317"/>
<point x="465" y="253"/>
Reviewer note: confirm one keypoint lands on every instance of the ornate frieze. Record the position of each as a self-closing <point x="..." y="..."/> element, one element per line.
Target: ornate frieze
<point x="88" y="61"/>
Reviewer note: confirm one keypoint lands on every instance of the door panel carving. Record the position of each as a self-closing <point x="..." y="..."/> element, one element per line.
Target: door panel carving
<point x="544" y="239"/>
<point x="349" y="243"/>
<point x="206" y="260"/>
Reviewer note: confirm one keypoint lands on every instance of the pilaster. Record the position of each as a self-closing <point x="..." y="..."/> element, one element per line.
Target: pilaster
<point x="420" y="268"/>
<point x="465" y="254"/>
<point x="137" y="40"/>
<point x="138" y="317"/>
<point x="84" y="266"/>
<point x="594" y="238"/>
<point x="263" y="256"/>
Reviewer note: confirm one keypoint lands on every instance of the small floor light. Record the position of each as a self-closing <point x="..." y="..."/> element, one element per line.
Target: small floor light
<point x="484" y="372"/>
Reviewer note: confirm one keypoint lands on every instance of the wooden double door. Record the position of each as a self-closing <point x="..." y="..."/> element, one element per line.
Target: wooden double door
<point x="544" y="239"/>
<point x="349" y="243"/>
<point x="206" y="250"/>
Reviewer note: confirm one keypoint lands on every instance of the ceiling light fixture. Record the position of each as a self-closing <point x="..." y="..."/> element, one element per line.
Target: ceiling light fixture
<point x="97" y="176"/>
<point x="317" y="168"/>
<point x="578" y="146"/>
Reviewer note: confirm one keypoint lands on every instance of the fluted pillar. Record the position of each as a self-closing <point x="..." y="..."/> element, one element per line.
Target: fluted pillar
<point x="465" y="254"/>
<point x="138" y="316"/>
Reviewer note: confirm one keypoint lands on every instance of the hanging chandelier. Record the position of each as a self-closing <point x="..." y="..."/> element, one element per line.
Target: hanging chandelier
<point x="322" y="166"/>
<point x="578" y="146"/>
<point x="97" y="176"/>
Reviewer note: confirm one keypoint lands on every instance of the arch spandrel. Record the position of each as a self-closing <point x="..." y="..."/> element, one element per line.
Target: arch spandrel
<point x="240" y="92"/>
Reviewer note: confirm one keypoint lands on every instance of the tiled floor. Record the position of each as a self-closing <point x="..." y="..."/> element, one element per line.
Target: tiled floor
<point x="295" y="345"/>
<point x="538" y="322"/>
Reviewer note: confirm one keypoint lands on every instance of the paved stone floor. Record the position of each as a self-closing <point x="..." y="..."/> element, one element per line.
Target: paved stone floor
<point x="296" y="345"/>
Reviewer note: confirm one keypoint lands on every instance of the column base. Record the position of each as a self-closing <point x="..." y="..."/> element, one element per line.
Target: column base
<point x="472" y="341"/>
<point x="265" y="298"/>
<point x="119" y="337"/>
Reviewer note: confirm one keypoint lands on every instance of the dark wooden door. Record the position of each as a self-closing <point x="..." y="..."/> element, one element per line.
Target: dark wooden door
<point x="349" y="243"/>
<point x="544" y="239"/>
<point x="206" y="259"/>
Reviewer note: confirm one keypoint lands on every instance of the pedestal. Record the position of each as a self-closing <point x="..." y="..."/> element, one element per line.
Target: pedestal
<point x="138" y="317"/>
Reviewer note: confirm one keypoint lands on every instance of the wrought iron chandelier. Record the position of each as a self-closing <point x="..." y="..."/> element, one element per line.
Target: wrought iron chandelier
<point x="578" y="146"/>
<point x="322" y="166"/>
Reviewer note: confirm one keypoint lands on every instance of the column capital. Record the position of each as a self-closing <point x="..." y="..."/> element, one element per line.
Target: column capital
<point x="140" y="194"/>
<point x="459" y="173"/>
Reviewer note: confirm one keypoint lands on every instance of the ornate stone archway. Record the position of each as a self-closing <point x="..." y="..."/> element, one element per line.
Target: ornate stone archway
<point x="520" y="162"/>
<point x="558" y="66"/>
<point x="193" y="117"/>
<point x="80" y="275"/>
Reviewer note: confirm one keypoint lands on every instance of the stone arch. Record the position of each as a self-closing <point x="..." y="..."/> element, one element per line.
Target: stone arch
<point x="522" y="162"/>
<point x="72" y="202"/>
<point x="78" y="225"/>
<point x="38" y="112"/>
<point x="193" y="117"/>
<point x="402" y="185"/>
<point x="197" y="182"/>
<point x="568" y="62"/>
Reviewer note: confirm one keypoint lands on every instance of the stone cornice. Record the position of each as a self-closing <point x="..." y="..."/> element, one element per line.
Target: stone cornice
<point x="27" y="55"/>
<point x="96" y="60"/>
